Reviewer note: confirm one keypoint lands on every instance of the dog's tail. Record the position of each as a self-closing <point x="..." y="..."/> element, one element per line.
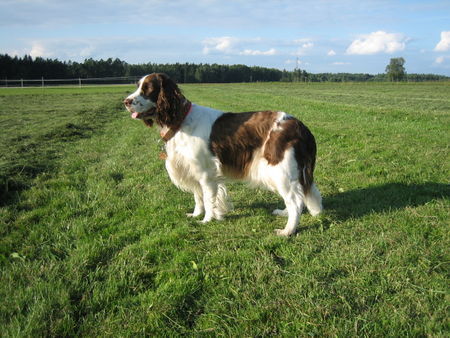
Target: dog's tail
<point x="305" y="153"/>
<point x="313" y="200"/>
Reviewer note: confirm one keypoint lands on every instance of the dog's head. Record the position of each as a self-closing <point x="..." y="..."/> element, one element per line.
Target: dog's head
<point x="156" y="99"/>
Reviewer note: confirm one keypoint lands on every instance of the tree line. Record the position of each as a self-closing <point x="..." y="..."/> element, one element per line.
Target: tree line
<point x="27" y="67"/>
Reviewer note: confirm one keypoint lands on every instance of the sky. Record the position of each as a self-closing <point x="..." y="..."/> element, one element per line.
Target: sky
<point x="357" y="36"/>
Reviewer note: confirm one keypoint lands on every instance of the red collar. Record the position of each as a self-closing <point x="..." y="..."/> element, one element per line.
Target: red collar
<point x="167" y="133"/>
<point x="189" y="109"/>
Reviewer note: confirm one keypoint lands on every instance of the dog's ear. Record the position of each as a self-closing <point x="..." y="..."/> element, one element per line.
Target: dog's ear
<point x="165" y="93"/>
<point x="169" y="103"/>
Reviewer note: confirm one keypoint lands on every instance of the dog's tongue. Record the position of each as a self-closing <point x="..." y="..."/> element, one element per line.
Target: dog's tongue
<point x="135" y="115"/>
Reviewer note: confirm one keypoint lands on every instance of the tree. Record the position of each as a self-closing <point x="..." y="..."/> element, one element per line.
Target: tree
<point x="395" y="69"/>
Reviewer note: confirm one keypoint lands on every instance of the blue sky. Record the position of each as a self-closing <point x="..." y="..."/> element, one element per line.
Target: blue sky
<point x="319" y="35"/>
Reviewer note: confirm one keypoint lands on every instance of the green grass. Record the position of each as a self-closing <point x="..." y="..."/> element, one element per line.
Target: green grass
<point x="95" y="242"/>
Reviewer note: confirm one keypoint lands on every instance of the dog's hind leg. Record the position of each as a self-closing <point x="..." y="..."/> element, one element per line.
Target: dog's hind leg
<point x="283" y="178"/>
<point x="313" y="202"/>
<point x="293" y="198"/>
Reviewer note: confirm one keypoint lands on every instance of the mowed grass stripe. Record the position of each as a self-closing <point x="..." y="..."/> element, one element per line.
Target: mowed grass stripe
<point x="100" y="245"/>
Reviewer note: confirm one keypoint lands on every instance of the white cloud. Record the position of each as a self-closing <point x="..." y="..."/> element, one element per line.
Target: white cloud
<point x="235" y="46"/>
<point x="341" y="63"/>
<point x="39" y="50"/>
<point x="377" y="42"/>
<point x="86" y="52"/>
<point x="331" y="53"/>
<point x="163" y="49"/>
<point x="74" y="49"/>
<point x="305" y="45"/>
<point x="16" y="52"/>
<point x="225" y="44"/>
<point x="440" y="59"/>
<point x="444" y="44"/>
<point x="271" y="51"/>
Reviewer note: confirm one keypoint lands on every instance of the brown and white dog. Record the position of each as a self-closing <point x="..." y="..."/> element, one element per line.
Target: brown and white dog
<point x="204" y="146"/>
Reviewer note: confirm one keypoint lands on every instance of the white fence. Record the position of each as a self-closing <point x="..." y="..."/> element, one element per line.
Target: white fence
<point x="43" y="82"/>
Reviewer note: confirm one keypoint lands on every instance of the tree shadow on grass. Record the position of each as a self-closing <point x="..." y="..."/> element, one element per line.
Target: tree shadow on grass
<point x="32" y="157"/>
<point x="387" y="197"/>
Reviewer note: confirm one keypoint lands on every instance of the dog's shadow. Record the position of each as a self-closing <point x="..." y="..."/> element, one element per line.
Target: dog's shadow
<point x="383" y="198"/>
<point x="375" y="199"/>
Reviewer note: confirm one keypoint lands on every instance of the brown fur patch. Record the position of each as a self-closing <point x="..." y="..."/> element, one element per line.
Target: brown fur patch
<point x="293" y="133"/>
<point x="236" y="136"/>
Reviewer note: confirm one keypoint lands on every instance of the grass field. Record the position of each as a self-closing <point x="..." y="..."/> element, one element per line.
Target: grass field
<point x="95" y="242"/>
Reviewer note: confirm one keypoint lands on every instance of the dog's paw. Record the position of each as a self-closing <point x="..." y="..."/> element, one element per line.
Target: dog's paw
<point x="315" y="212"/>
<point x="279" y="212"/>
<point x="193" y="214"/>
<point x="206" y="220"/>
<point x="283" y="232"/>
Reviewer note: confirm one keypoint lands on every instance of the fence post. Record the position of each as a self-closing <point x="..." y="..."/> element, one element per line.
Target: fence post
<point x="42" y="82"/>
<point x="21" y="83"/>
<point x="79" y="82"/>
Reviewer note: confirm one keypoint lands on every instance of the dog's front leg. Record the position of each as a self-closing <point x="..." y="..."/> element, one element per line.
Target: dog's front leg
<point x="209" y="189"/>
<point x="199" y="206"/>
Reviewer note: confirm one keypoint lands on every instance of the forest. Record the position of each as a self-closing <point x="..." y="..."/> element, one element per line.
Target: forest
<point x="27" y="67"/>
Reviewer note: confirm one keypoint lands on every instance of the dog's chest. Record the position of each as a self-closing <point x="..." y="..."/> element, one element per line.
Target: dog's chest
<point x="188" y="154"/>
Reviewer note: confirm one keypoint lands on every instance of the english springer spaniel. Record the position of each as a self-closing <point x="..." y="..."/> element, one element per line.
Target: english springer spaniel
<point x="204" y="146"/>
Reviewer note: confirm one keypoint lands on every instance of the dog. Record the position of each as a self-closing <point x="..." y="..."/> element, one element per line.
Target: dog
<point x="205" y="146"/>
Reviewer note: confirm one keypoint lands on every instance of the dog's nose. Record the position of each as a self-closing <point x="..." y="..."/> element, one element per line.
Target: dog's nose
<point x="127" y="102"/>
